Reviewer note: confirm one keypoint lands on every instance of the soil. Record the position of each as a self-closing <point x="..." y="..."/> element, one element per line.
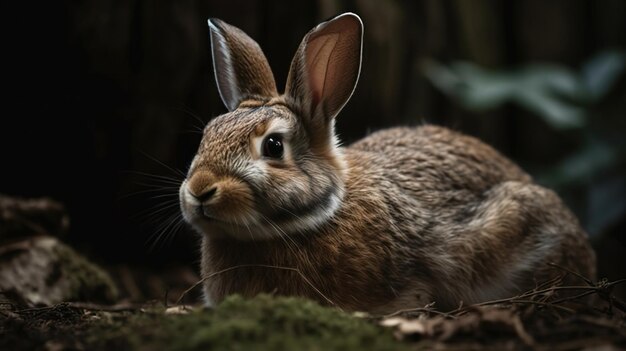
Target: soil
<point x="536" y="321"/>
<point x="39" y="274"/>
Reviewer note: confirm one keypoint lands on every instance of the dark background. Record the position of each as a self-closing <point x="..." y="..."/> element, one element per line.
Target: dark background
<point x="97" y="93"/>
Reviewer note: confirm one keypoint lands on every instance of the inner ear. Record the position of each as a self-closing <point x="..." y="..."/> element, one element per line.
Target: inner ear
<point x="241" y="69"/>
<point x="319" y="53"/>
<point x="326" y="67"/>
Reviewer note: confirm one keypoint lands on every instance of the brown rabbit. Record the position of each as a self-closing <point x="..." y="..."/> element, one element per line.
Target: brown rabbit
<point x="401" y="218"/>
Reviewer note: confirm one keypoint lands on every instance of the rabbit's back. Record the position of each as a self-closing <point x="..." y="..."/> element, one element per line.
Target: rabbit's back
<point x="466" y="215"/>
<point x="440" y="159"/>
<point x="444" y="172"/>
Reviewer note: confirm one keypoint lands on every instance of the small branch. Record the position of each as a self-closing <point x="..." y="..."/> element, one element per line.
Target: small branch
<point x="306" y="280"/>
<point x="582" y="277"/>
<point x="525" y="296"/>
<point x="417" y="310"/>
<point x="575" y="297"/>
<point x="540" y="303"/>
<point x="84" y="306"/>
<point x="105" y="308"/>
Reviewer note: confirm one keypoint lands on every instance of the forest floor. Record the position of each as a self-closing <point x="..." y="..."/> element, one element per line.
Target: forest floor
<point x="536" y="320"/>
<point x="39" y="274"/>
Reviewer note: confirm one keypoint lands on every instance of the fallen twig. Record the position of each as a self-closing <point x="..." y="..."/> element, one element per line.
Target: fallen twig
<point x="306" y="280"/>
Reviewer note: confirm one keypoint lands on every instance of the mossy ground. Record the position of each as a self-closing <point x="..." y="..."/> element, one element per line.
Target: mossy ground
<point x="262" y="323"/>
<point x="288" y="323"/>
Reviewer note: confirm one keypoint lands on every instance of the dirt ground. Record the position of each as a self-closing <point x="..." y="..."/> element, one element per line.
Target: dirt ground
<point x="39" y="274"/>
<point x="536" y="320"/>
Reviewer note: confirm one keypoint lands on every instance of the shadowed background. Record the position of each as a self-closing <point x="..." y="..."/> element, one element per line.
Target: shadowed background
<point x="103" y="101"/>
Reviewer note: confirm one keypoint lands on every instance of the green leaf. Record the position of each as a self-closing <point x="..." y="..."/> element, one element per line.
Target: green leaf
<point x="600" y="73"/>
<point x="555" y="93"/>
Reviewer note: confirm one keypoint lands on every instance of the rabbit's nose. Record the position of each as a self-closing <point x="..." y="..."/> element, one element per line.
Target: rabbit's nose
<point x="202" y="186"/>
<point x="206" y="194"/>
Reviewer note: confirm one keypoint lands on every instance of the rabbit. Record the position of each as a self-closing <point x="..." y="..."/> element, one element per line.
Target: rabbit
<point x="402" y="218"/>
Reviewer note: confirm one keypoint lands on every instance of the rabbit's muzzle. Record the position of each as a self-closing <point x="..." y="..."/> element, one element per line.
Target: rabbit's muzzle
<point x="207" y="201"/>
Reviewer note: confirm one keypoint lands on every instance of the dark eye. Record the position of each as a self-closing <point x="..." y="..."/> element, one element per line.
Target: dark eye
<point x="273" y="146"/>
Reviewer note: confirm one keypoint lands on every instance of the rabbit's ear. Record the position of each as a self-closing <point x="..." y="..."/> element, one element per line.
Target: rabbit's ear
<point x="241" y="69"/>
<point x="326" y="67"/>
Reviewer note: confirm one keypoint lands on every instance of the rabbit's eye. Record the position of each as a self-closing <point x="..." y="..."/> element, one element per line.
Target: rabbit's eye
<point x="273" y="146"/>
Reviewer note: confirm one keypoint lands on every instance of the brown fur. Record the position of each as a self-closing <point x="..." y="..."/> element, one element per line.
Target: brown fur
<point x="401" y="218"/>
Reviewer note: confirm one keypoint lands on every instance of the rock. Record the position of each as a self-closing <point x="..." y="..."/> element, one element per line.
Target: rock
<point x="21" y="218"/>
<point x="43" y="270"/>
<point x="35" y="267"/>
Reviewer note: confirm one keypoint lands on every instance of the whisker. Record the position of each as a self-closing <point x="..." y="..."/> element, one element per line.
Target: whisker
<point x="293" y="214"/>
<point x="249" y="231"/>
<point x="281" y="233"/>
<point x="193" y="131"/>
<point x="160" y="187"/>
<point x="155" y="237"/>
<point x="176" y="171"/>
<point x="163" y="235"/>
<point x="148" y="191"/>
<point x="189" y="112"/>
<point x="162" y="184"/>
<point x="155" y="176"/>
<point x="154" y="211"/>
<point x="175" y="229"/>
<point x="161" y="196"/>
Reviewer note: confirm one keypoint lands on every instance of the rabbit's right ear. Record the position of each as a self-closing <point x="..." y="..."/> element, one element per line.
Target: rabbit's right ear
<point x="241" y="69"/>
<point x="326" y="68"/>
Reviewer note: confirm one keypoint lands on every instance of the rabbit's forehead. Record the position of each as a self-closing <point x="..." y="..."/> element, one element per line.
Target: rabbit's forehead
<point x="238" y="126"/>
<point x="227" y="138"/>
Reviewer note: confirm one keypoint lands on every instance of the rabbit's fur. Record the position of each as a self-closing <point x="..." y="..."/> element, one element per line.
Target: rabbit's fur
<point x="401" y="218"/>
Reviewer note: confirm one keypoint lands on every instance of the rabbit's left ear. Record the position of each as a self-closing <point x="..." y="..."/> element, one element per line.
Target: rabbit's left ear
<point x="326" y="67"/>
<point x="241" y="69"/>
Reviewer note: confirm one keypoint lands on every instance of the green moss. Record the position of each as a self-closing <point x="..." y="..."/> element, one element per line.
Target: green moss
<point x="87" y="281"/>
<point x="262" y="323"/>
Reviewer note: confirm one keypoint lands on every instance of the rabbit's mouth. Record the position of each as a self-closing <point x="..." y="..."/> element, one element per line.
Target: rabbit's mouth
<point x="226" y="211"/>
<point x="219" y="205"/>
<point x="242" y="228"/>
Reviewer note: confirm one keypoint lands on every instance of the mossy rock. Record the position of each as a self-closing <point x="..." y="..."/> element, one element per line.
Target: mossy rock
<point x="44" y="271"/>
<point x="262" y="323"/>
